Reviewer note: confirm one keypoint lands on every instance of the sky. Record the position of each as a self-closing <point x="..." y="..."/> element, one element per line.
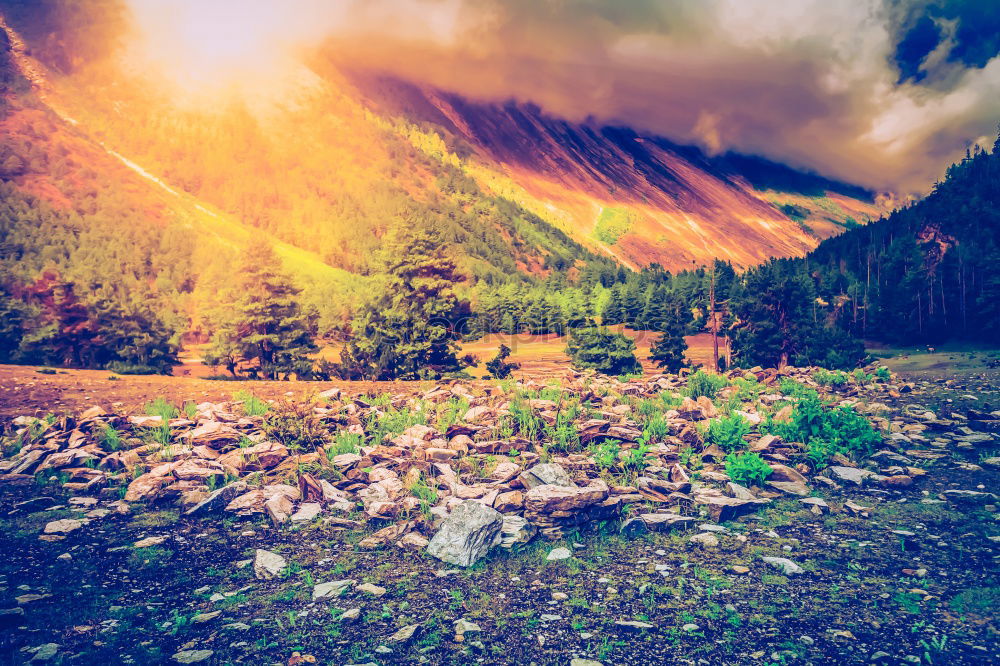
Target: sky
<point x="880" y="93"/>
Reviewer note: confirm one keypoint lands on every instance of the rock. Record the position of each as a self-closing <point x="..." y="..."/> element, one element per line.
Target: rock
<point x="790" y="487"/>
<point x="264" y="455"/>
<point x="307" y="512"/>
<point x="404" y="634"/>
<point x="817" y="505"/>
<point x="413" y="541"/>
<point x="267" y="565"/>
<point x="740" y="569"/>
<point x="967" y="497"/>
<point x="849" y="474"/>
<point x="278" y="508"/>
<point x="218" y="499"/>
<point x="785" y="565"/>
<point x="516" y="530"/>
<point x="463" y="626"/>
<point x="509" y="501"/>
<point x="656" y="522"/>
<point x="63" y="526"/>
<point x="633" y="624"/>
<point x="705" y="540"/>
<point x="466" y="534"/>
<point x="149" y="542"/>
<point x="690" y="626"/>
<point x="549" y="474"/>
<point x="856" y="509"/>
<point x="350" y="615"/>
<point x="557" y="554"/>
<point x="723" y="509"/>
<point x="192" y="656"/>
<point x="44" y="652"/>
<point x="369" y="588"/>
<point x="202" y="618"/>
<point x="331" y="589"/>
<point x="547" y="499"/>
<point x="576" y="661"/>
<point x="785" y="473"/>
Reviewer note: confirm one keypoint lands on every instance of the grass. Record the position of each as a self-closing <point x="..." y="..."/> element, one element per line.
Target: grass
<point x="252" y="405"/>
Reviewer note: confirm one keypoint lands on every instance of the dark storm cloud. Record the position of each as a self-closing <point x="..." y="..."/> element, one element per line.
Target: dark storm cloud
<point x="882" y="93"/>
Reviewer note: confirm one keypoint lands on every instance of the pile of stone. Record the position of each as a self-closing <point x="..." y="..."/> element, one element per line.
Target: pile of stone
<point x="461" y="491"/>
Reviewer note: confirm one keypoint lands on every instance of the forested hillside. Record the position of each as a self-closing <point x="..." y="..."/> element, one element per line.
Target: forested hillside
<point x="928" y="272"/>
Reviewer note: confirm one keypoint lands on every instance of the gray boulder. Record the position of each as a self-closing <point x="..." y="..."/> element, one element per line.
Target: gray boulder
<point x="466" y="534"/>
<point x="548" y="474"/>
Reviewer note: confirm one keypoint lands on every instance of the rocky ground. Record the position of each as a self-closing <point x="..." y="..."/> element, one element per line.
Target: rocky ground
<point x="505" y="523"/>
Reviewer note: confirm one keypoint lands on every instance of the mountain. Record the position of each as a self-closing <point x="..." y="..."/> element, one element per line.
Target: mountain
<point x="927" y="272"/>
<point x="148" y="198"/>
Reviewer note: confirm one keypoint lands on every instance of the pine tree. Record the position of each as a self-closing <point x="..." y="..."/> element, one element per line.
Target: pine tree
<point x="263" y="330"/>
<point x="498" y="367"/>
<point x="668" y="350"/>
<point x="406" y="331"/>
<point x="603" y="350"/>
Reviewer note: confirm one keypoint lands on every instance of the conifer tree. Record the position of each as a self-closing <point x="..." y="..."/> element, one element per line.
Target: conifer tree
<point x="262" y="329"/>
<point x="407" y="331"/>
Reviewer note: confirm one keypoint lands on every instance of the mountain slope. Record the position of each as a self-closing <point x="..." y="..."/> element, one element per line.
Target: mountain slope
<point x="678" y="207"/>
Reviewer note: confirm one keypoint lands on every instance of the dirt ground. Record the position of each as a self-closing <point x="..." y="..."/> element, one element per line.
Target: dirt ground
<point x="33" y="391"/>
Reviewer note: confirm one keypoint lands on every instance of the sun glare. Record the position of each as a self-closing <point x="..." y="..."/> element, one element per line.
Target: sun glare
<point x="212" y="48"/>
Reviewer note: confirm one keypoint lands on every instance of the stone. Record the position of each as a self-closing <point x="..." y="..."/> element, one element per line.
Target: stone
<point x="307" y="512"/>
<point x="369" y="588"/>
<point x="278" y="508"/>
<point x="44" y="652"/>
<point x="633" y="624"/>
<point x="969" y="497"/>
<point x="557" y="554"/>
<point x="413" y="541"/>
<point x="466" y="534"/>
<point x="785" y="473"/>
<point x="331" y="589"/>
<point x="577" y="661"/>
<point x="192" y="656"/>
<point x="404" y="634"/>
<point x="202" y="618"/>
<point x="690" y="626"/>
<point x="817" y="505"/>
<point x="218" y="499"/>
<point x="516" y="530"/>
<point x="548" y="474"/>
<point x="547" y="499"/>
<point x="149" y="542"/>
<point x="849" y="474"/>
<point x="785" y="565"/>
<point x="350" y="615"/>
<point x="463" y="626"/>
<point x="267" y="565"/>
<point x="63" y="526"/>
<point x="723" y="509"/>
<point x="705" y="540"/>
<point x="790" y="487"/>
<point x="740" y="569"/>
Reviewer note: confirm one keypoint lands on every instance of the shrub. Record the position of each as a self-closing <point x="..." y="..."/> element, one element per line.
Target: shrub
<point x="747" y="468"/>
<point x="296" y="426"/>
<point x="727" y="432"/>
<point x="603" y="350"/>
<point x="705" y="384"/>
<point x="827" y="432"/>
<point x="605" y="455"/>
<point x="124" y="368"/>
<point x="498" y="366"/>
<point x="882" y="374"/>
<point x="827" y="378"/>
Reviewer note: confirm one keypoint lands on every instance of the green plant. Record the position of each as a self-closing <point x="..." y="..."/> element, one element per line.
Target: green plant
<point x="603" y="350"/>
<point x="826" y="432"/>
<point x="747" y="468"/>
<point x="882" y="374"/>
<point x="160" y="407"/>
<point x="252" y="405"/>
<point x="727" y="432"/>
<point x="605" y="454"/>
<point x="635" y="459"/>
<point x="526" y="421"/>
<point x="190" y="410"/>
<point x="110" y="438"/>
<point x="706" y="384"/>
<point x="344" y="442"/>
<point x="828" y="378"/>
